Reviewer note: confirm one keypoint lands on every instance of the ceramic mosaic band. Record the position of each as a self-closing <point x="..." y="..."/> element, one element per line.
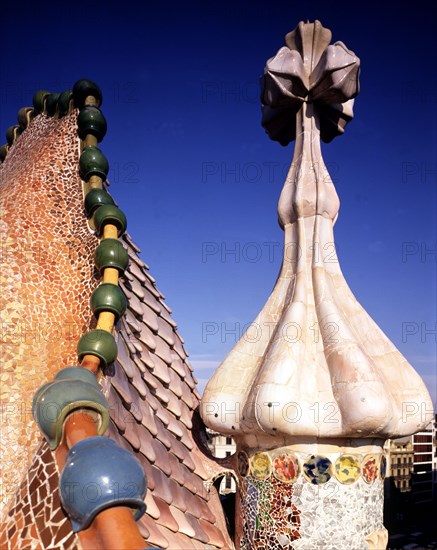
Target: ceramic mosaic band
<point x="287" y="466"/>
<point x="291" y="499"/>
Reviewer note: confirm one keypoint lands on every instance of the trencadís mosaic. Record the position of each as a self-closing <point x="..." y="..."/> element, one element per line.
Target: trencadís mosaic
<point x="291" y="499"/>
<point x="287" y="467"/>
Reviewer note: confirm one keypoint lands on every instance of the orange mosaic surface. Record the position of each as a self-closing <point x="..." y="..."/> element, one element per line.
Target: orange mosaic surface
<point x="151" y="388"/>
<point x="36" y="519"/>
<point x="47" y="276"/>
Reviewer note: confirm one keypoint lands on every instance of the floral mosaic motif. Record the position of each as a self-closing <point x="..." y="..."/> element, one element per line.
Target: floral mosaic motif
<point x="383" y="467"/>
<point x="347" y="469"/>
<point x="261" y="466"/>
<point x="286" y="467"/>
<point x="317" y="469"/>
<point x="243" y="464"/>
<point x="369" y="468"/>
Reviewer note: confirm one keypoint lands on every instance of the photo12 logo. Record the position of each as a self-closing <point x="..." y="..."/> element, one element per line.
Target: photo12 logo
<point x="253" y="332"/>
<point x="269" y="251"/>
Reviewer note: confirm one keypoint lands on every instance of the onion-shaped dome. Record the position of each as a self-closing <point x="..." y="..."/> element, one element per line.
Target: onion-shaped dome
<point x="313" y="364"/>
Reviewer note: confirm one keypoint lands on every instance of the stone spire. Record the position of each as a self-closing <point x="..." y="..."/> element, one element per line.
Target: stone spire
<point x="314" y="387"/>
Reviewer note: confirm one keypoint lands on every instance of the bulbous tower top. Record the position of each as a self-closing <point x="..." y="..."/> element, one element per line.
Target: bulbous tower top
<point x="313" y="365"/>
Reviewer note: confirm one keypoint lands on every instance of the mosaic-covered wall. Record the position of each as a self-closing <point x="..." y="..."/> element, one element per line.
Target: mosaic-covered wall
<point x="48" y="276"/>
<point x="45" y="237"/>
<point x="291" y="500"/>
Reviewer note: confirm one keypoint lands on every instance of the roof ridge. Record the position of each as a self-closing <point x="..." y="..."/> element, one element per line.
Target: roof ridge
<point x="150" y="387"/>
<point x="55" y="105"/>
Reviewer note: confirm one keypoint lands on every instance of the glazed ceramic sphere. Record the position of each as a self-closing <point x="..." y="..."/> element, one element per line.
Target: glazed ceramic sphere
<point x="86" y="88"/>
<point x="92" y="162"/>
<point x="12" y="133"/>
<point x="110" y="214"/>
<point x="52" y="103"/>
<point x="98" y="474"/>
<point x="91" y="121"/>
<point x="99" y="343"/>
<point x="111" y="253"/>
<point x="64" y="102"/>
<point x="95" y="198"/>
<point x="39" y="100"/>
<point x="72" y="389"/>
<point x="108" y="297"/>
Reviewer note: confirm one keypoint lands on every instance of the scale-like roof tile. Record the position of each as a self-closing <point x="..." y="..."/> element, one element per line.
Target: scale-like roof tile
<point x="152" y="396"/>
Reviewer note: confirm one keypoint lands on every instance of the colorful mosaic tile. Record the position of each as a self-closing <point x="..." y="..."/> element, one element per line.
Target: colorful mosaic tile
<point x="383" y="467"/>
<point x="347" y="469"/>
<point x="261" y="466"/>
<point x="369" y="468"/>
<point x="303" y="515"/>
<point x="322" y="505"/>
<point x="49" y="274"/>
<point x="317" y="469"/>
<point x="286" y="467"/>
<point x="270" y="519"/>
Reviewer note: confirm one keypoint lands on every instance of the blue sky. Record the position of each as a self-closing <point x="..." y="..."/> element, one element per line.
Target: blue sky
<point x="197" y="177"/>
